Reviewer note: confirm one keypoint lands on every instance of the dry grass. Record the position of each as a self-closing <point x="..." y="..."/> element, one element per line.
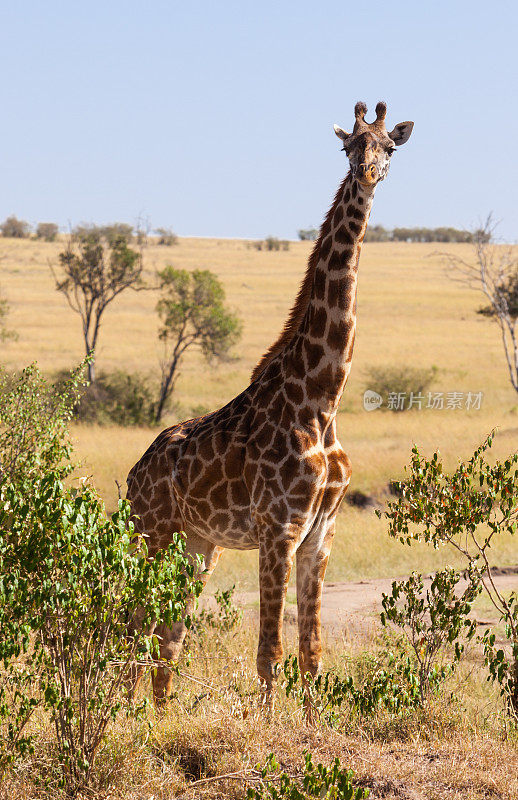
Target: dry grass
<point x="215" y="726"/>
<point x="410" y="313"/>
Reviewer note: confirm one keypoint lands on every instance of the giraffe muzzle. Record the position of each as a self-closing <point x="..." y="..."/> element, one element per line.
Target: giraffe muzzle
<point x="367" y="174"/>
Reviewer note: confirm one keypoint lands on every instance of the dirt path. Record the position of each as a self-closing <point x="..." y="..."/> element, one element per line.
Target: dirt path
<point x="344" y="600"/>
<point x="349" y="606"/>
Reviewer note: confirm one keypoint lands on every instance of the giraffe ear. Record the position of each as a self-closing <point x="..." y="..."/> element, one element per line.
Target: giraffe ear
<point x="341" y="133"/>
<point x="401" y="133"/>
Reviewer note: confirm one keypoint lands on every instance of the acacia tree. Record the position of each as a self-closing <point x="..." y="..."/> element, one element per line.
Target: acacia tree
<point x="193" y="313"/>
<point x="95" y="268"/>
<point x="493" y="270"/>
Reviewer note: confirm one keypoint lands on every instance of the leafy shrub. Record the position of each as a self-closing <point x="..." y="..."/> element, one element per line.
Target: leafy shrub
<point x="117" y="232"/>
<point x="33" y="441"/>
<point x="78" y="582"/>
<point x="389" y="682"/>
<point x="399" y="382"/>
<point x="503" y="663"/>
<point x="47" y="231"/>
<point x="34" y="417"/>
<point x="166" y="237"/>
<point x="327" y="783"/>
<point x="431" y="620"/>
<point x="15" y="228"/>
<point x="466" y="510"/>
<point x="271" y="243"/>
<point x="120" y="398"/>
<point x="226" y="617"/>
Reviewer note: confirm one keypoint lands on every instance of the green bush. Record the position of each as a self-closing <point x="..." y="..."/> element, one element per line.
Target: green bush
<point x="226" y="617"/>
<point x="78" y="583"/>
<point x="467" y="509"/>
<point x="116" y="398"/>
<point x="389" y="681"/>
<point x="33" y="441"/>
<point x="432" y="620"/>
<point x="503" y="663"/>
<point x="112" y="234"/>
<point x="326" y="783"/>
<point x="396" y="385"/>
<point x="120" y="398"/>
<point x="34" y="417"/>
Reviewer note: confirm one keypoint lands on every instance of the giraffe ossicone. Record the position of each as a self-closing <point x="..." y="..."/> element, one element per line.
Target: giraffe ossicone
<point x="267" y="471"/>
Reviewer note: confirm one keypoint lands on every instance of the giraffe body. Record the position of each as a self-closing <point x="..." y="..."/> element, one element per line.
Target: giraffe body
<point x="267" y="471"/>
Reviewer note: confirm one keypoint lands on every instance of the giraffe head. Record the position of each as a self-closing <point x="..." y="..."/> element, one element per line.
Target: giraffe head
<point x="369" y="147"/>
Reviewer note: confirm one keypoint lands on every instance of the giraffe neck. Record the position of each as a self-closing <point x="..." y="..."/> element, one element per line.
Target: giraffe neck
<point x="320" y="353"/>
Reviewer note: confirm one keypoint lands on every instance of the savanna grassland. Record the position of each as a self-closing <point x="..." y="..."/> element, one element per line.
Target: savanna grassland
<point x="410" y="314"/>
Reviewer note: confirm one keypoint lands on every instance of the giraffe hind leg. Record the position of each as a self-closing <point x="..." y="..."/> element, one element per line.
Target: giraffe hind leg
<point x="171" y="639"/>
<point x="156" y="517"/>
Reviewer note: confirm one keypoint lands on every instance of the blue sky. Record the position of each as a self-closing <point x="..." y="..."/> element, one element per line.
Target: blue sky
<point x="216" y="118"/>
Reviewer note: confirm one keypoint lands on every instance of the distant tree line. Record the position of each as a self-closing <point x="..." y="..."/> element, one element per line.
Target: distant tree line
<point x="14" y="228"/>
<point x="377" y="233"/>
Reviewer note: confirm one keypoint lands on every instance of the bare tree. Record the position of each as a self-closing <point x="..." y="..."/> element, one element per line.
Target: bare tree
<point x="95" y="268"/>
<point x="493" y="270"/>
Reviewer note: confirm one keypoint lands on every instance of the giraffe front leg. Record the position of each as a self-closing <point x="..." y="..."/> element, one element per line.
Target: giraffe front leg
<point x="276" y="552"/>
<point x="312" y="558"/>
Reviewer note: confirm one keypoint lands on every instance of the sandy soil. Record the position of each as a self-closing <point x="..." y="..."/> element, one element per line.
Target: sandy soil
<point x="350" y="607"/>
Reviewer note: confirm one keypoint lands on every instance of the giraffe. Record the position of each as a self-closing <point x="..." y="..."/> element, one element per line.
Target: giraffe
<point x="267" y="471"/>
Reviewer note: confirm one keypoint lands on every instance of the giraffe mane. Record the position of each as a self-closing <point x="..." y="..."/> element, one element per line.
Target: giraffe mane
<point x="298" y="310"/>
